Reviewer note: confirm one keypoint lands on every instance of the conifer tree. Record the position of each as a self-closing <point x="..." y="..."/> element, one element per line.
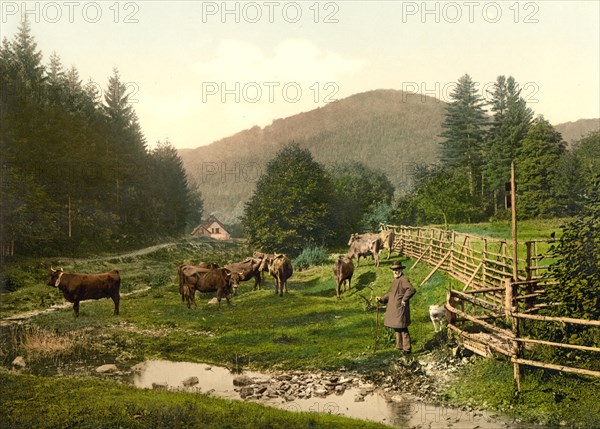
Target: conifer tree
<point x="537" y="172"/>
<point x="464" y="131"/>
<point x="510" y="123"/>
<point x="28" y="58"/>
<point x="172" y="198"/>
<point x="117" y="106"/>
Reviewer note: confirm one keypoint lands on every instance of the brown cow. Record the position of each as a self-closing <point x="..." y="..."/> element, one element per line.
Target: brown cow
<point x="180" y="272"/>
<point x="78" y="287"/>
<point x="246" y="270"/>
<point x="206" y="280"/>
<point x="280" y="268"/>
<point x="364" y="245"/>
<point x="343" y="269"/>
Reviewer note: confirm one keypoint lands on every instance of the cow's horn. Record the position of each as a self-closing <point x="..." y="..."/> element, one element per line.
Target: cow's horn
<point x="52" y="269"/>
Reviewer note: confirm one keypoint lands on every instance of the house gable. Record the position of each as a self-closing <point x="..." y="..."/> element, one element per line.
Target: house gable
<point x="213" y="228"/>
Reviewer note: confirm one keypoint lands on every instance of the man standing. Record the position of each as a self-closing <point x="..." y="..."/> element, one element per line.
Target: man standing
<point x="397" y="313"/>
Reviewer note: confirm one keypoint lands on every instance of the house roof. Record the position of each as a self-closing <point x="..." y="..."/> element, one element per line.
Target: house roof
<point x="212" y="219"/>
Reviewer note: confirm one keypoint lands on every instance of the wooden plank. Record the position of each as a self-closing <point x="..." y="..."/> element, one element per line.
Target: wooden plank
<point x="567" y="346"/>
<point x="502" y="333"/>
<point x="489" y="289"/>
<point x="473" y="276"/>
<point x="557" y="319"/>
<point x="435" y="269"/>
<point x="558" y="367"/>
<point x="420" y="257"/>
<point x="531" y="295"/>
<point x="478" y="302"/>
<point x="475" y="339"/>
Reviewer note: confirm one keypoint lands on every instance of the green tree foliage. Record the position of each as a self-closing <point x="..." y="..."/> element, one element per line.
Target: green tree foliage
<point x="511" y="121"/>
<point x="173" y="199"/>
<point x="587" y="151"/>
<point x="579" y="171"/>
<point x="578" y="270"/>
<point x="75" y="174"/>
<point x="464" y="131"/>
<point x="361" y="196"/>
<point x="291" y="205"/>
<point x="537" y="172"/>
<point x="442" y="196"/>
<point x="379" y="213"/>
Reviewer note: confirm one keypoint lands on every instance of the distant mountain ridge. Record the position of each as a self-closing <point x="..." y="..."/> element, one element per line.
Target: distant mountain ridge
<point x="574" y="131"/>
<point x="388" y="130"/>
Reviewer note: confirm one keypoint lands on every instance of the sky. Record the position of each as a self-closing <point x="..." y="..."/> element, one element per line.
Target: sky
<point x="199" y="71"/>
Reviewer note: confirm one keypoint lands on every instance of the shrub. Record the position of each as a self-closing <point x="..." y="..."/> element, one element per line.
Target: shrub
<point x="311" y="256"/>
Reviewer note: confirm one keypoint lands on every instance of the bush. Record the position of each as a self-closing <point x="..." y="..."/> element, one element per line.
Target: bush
<point x="15" y="277"/>
<point x="311" y="256"/>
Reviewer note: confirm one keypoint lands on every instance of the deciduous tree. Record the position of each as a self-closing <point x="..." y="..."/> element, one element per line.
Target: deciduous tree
<point x="291" y="205"/>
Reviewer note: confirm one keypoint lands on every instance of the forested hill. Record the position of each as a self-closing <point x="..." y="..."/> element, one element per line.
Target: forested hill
<point x="387" y="130"/>
<point x="574" y="131"/>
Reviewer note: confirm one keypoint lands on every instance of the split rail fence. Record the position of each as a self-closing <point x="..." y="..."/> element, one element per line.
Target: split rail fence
<point x="490" y="311"/>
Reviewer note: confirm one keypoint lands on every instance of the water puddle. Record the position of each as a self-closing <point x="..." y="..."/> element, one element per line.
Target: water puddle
<point x="171" y="375"/>
<point x="350" y="396"/>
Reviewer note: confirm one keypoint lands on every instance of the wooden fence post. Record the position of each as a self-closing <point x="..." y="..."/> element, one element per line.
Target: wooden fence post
<point x="529" y="302"/>
<point x="510" y="292"/>
<point x="452" y="238"/>
<point x="484" y="256"/>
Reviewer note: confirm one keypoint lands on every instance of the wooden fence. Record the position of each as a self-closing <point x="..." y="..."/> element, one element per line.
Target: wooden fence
<point x="488" y="313"/>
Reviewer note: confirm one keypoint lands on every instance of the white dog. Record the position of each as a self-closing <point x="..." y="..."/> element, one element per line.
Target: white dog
<point x="437" y="313"/>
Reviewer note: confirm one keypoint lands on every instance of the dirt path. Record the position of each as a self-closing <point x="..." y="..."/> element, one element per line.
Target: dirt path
<point x="132" y="254"/>
<point x="19" y="318"/>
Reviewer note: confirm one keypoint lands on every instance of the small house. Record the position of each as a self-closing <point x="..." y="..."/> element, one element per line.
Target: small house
<point x="213" y="228"/>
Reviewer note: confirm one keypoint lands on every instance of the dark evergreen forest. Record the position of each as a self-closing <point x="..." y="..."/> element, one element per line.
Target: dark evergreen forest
<point x="76" y="173"/>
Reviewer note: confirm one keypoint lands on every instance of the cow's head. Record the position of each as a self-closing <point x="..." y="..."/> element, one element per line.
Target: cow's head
<point x="353" y="238"/>
<point x="231" y="281"/>
<point x="55" y="276"/>
<point x="234" y="279"/>
<point x="275" y="261"/>
<point x="263" y="259"/>
<point x="255" y="263"/>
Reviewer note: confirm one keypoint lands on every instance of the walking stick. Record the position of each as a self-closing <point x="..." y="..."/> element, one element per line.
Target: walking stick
<point x="376" y="326"/>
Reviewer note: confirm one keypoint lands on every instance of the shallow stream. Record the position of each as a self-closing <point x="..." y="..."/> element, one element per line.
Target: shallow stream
<point x="359" y="400"/>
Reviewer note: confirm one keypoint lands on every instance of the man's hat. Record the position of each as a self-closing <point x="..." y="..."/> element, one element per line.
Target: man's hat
<point x="397" y="266"/>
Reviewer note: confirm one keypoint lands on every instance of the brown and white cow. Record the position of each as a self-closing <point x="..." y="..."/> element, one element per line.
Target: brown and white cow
<point x="387" y="238"/>
<point x="280" y="268"/>
<point x="364" y="245"/>
<point x="78" y="287"/>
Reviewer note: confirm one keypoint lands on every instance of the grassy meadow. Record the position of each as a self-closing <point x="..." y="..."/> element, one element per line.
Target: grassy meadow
<point x="308" y="329"/>
<point x="532" y="229"/>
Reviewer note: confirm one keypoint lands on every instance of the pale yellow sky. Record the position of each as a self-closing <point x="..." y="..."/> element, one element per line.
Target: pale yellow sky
<point x="199" y="71"/>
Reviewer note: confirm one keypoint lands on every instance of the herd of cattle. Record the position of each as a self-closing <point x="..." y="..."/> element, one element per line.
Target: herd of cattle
<point x="209" y="277"/>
